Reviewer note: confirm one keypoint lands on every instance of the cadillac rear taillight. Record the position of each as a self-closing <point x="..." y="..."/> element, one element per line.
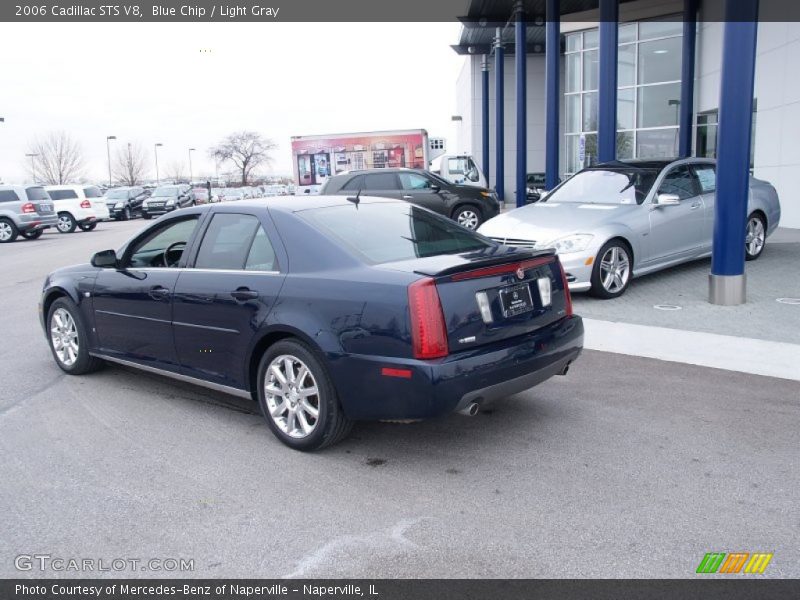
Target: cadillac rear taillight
<point x="86" y="204"/>
<point x="428" y="332"/>
<point x="28" y="207"/>
<point x="567" y="296"/>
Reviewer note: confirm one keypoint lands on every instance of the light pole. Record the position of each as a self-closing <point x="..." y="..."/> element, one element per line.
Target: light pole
<point x="33" y="166"/>
<point x="157" y="146"/>
<point x="190" y="165"/>
<point x="108" y="150"/>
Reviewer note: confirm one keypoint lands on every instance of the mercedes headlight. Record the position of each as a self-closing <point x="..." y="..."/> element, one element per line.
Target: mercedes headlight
<point x="572" y="243"/>
<point x="170" y="202"/>
<point x="119" y="205"/>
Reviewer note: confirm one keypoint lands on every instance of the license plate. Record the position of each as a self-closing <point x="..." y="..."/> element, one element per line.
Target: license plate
<point x="516" y="300"/>
<point x="44" y="207"/>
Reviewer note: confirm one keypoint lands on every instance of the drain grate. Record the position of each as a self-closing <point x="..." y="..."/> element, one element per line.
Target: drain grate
<point x="667" y="307"/>
<point x="794" y="301"/>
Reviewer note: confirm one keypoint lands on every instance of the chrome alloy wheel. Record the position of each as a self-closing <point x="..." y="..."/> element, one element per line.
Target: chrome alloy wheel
<point x="756" y="236"/>
<point x="292" y="396"/>
<point x="64" y="223"/>
<point x="615" y="269"/>
<point x="468" y="219"/>
<point x="5" y="231"/>
<point x="64" y="337"/>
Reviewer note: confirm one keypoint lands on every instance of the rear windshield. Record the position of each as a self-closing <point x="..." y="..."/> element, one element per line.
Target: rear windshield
<point x="37" y="193"/>
<point x="383" y="233"/>
<point x="92" y="192"/>
<point x="60" y="194"/>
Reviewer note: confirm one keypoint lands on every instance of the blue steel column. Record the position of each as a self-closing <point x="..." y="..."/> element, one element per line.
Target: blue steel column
<point x="727" y="284"/>
<point x="499" y="142"/>
<point x="607" y="82"/>
<point x="485" y="116"/>
<point x="552" y="50"/>
<point x="520" y="54"/>
<point x="687" y="77"/>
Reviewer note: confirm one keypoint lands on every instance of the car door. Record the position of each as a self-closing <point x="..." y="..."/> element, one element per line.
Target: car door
<point x="136" y="197"/>
<point x="422" y="191"/>
<point x="133" y="303"/>
<point x="384" y="185"/>
<point x="706" y="174"/>
<point x="676" y="231"/>
<point x="221" y="301"/>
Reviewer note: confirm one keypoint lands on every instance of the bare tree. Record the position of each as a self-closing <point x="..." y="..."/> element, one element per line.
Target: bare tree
<point x="130" y="165"/>
<point x="246" y="150"/>
<point x="55" y="158"/>
<point x="175" y="171"/>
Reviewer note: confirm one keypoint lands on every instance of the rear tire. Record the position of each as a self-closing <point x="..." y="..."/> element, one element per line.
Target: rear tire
<point x="612" y="270"/>
<point x="756" y="236"/>
<point x="146" y="217"/>
<point x="468" y="216"/>
<point x="68" y="339"/>
<point x="33" y="235"/>
<point x="66" y="223"/>
<point x="87" y="226"/>
<point x="303" y="410"/>
<point x="8" y="231"/>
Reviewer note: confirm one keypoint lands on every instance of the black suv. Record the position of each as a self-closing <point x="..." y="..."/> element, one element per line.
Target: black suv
<point x="125" y="202"/>
<point x="468" y="205"/>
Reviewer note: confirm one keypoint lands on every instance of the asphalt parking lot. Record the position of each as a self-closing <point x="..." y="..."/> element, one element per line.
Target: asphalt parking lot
<point x="627" y="467"/>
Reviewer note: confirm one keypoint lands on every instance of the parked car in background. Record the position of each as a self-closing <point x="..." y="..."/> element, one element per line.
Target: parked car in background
<point x="126" y="202"/>
<point x="75" y="209"/>
<point x="535" y="186"/>
<point x="25" y="210"/>
<point x="201" y="195"/>
<point x="166" y="198"/>
<point x="289" y="302"/>
<point x="231" y="195"/>
<point x="618" y="220"/>
<point x="468" y="205"/>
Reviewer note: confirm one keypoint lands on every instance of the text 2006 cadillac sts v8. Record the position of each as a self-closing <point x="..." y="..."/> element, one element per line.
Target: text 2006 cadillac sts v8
<point x="324" y="309"/>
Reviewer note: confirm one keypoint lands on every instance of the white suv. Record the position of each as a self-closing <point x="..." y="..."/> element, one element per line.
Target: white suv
<point x="78" y="206"/>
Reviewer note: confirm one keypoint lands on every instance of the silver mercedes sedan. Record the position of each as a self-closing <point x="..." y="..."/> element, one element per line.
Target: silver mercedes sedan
<point x="618" y="220"/>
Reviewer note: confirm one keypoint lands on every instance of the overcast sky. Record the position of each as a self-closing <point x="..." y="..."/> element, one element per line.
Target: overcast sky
<point x="151" y="83"/>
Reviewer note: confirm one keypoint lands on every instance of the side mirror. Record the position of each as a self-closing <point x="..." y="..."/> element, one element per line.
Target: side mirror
<point x="435" y="188"/>
<point x="105" y="259"/>
<point x="667" y="200"/>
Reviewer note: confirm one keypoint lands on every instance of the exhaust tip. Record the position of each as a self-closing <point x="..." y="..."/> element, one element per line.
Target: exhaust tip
<point x="565" y="370"/>
<point x="470" y="410"/>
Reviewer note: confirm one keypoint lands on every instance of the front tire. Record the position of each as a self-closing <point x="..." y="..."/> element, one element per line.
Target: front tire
<point x="8" y="231"/>
<point x="68" y="339"/>
<point x="297" y="397"/>
<point x="468" y="216"/>
<point x="612" y="270"/>
<point x="66" y="223"/>
<point x="126" y="214"/>
<point x="146" y="217"/>
<point x="755" y="236"/>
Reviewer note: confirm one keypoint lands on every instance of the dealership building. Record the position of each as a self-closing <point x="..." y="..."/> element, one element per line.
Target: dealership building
<point x="633" y="79"/>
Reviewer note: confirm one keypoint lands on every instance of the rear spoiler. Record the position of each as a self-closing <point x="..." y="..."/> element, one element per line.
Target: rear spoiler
<point x="510" y="260"/>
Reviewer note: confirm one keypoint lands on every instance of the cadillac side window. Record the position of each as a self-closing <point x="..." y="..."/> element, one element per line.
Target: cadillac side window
<point x="679" y="181"/>
<point x="262" y="255"/>
<point x="163" y="247"/>
<point x="355" y="184"/>
<point x="227" y="242"/>
<point x="414" y="181"/>
<point x="707" y="177"/>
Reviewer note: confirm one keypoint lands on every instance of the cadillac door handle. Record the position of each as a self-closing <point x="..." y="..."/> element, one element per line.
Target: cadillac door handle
<point x="159" y="293"/>
<point x="243" y="294"/>
<point x="408" y="197"/>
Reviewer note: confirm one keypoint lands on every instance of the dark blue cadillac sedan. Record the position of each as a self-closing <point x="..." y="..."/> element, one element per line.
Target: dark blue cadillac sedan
<point x="324" y="310"/>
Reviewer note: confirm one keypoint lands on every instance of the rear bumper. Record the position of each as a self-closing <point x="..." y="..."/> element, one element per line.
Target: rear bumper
<point x="438" y="387"/>
<point x="101" y="212"/>
<point x="34" y="222"/>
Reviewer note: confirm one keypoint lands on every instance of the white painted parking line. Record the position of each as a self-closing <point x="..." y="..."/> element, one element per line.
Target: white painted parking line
<point x="746" y="355"/>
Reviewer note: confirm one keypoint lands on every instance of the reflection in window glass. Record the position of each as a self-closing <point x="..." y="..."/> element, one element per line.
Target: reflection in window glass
<point x="590" y="111"/>
<point x="626" y="65"/>
<point x="590" y="70"/>
<point x="657" y="143"/>
<point x="571" y="154"/>
<point x="626" y="33"/>
<point x="660" y="61"/>
<point x="590" y="38"/>
<point x="573" y="83"/>
<point x="626" y="106"/>
<point x="659" y="105"/>
<point x="654" y="29"/>
<point x="625" y="144"/>
<point x="573" y="41"/>
<point x="591" y="149"/>
<point x="573" y="113"/>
